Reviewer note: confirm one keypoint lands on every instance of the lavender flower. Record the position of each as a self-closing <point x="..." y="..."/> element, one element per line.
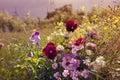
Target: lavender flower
<point x="66" y="58"/>
<point x="85" y="73"/>
<point x="35" y="37"/>
<point x="91" y="34"/>
<point x="77" y="48"/>
<point x="69" y="62"/>
<point x="29" y="54"/>
<point x="57" y="75"/>
<point x="75" y="63"/>
<point x="54" y="65"/>
<point x="75" y="74"/>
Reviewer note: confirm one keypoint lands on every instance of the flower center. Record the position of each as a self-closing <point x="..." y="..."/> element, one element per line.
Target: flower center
<point x="51" y="51"/>
<point x="72" y="27"/>
<point x="67" y="63"/>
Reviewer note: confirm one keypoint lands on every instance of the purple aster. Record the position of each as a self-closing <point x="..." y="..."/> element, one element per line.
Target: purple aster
<point x="85" y="73"/>
<point x="29" y="54"/>
<point x="75" y="73"/>
<point x="57" y="75"/>
<point x="70" y="45"/>
<point x="35" y="37"/>
<point x="75" y="63"/>
<point x="77" y="48"/>
<point x="69" y="62"/>
<point x="54" y="65"/>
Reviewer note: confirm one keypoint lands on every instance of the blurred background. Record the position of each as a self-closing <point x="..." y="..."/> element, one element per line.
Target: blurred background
<point x="41" y="7"/>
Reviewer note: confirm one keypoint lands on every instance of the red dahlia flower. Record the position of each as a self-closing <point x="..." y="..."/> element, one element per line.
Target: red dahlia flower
<point x="50" y="51"/>
<point x="78" y="41"/>
<point x="70" y="25"/>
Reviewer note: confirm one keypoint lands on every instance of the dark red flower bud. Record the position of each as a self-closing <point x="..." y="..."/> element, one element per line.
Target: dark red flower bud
<point x="71" y="26"/>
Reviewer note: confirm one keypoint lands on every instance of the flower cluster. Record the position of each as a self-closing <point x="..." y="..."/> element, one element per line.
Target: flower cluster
<point x="71" y="58"/>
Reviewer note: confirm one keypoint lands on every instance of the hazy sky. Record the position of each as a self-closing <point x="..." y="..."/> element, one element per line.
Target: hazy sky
<point x="40" y="7"/>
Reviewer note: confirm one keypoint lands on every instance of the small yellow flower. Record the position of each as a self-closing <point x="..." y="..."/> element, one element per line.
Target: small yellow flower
<point x="108" y="19"/>
<point x="95" y="16"/>
<point x="89" y="28"/>
<point x="59" y="23"/>
<point x="116" y="21"/>
<point x="84" y="24"/>
<point x="106" y="28"/>
<point x="114" y="26"/>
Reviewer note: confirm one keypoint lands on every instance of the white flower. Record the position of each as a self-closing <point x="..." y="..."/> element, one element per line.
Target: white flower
<point x="87" y="61"/>
<point x="89" y="52"/>
<point x="60" y="48"/>
<point x="49" y="38"/>
<point x="100" y="59"/>
<point x="99" y="63"/>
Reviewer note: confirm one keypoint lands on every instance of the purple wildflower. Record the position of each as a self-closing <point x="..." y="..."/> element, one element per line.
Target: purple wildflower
<point x="29" y="54"/>
<point x="85" y="73"/>
<point x="35" y="37"/>
<point x="54" y="65"/>
<point x="75" y="73"/>
<point x="66" y="58"/>
<point x="75" y="63"/>
<point x="91" y="34"/>
<point x="69" y="62"/>
<point x="57" y="75"/>
<point x="77" y="48"/>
